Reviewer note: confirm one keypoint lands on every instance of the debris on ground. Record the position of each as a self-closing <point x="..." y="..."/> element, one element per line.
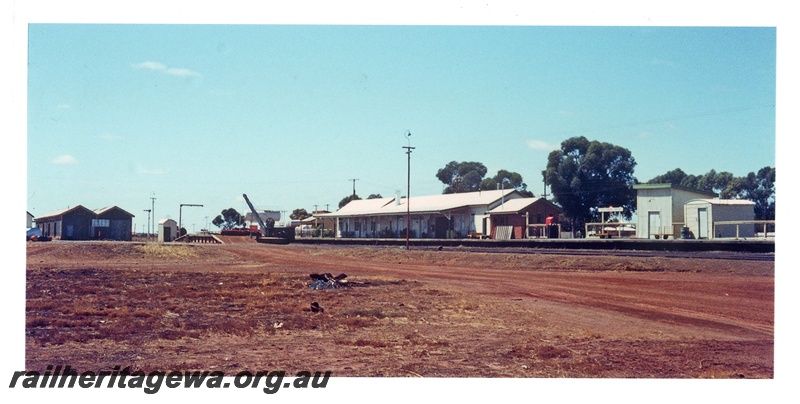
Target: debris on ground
<point x="327" y="281"/>
<point x="315" y="308"/>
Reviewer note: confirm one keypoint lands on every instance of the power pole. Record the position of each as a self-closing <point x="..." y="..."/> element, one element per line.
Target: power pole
<point x="354" y="185"/>
<point x="408" y="187"/>
<point x="148" y="223"/>
<point x="153" y="209"/>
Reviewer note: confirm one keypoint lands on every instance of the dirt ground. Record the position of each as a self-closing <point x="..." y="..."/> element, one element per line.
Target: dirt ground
<point x="451" y="313"/>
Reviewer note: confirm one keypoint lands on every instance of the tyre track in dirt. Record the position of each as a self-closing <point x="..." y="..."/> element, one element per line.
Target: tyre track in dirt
<point x="726" y="306"/>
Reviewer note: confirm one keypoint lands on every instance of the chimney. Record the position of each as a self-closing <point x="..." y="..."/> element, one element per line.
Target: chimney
<point x="397" y="197"/>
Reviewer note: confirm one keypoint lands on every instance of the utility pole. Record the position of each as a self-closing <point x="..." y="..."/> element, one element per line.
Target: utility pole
<point x="153" y="209"/>
<point x="408" y="186"/>
<point x="148" y="223"/>
<point x="354" y="185"/>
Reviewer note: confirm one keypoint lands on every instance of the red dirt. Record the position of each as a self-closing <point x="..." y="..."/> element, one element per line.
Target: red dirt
<point x="407" y="313"/>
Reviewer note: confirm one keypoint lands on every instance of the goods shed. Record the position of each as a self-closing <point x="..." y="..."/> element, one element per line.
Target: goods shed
<point x="112" y="223"/>
<point x="720" y="218"/>
<point x="73" y="223"/>
<point x="80" y="223"/>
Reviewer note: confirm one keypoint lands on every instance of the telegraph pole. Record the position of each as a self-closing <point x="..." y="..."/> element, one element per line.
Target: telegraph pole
<point x="408" y="186"/>
<point x="354" y="185"/>
<point x="153" y="209"/>
<point x="148" y="223"/>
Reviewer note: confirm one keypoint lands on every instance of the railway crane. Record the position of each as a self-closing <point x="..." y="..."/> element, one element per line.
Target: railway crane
<point x="269" y="233"/>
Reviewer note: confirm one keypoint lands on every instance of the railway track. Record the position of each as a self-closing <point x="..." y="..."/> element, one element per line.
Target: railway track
<point x="726" y="255"/>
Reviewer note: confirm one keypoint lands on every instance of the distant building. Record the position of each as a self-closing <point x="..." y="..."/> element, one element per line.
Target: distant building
<point x="29" y="220"/>
<point x="511" y="219"/>
<point x="306" y="227"/>
<point x="80" y="223"/>
<point x="251" y="221"/>
<point x="659" y="208"/>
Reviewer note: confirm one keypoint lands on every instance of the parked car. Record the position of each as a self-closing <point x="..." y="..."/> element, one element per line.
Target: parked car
<point x="34" y="234"/>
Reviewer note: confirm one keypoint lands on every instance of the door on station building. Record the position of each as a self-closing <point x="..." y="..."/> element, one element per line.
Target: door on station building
<point x="654" y="223"/>
<point x="442" y="226"/>
<point x="702" y="223"/>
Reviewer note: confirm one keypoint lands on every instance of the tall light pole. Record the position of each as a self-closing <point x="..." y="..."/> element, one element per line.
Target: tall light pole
<point x="408" y="186"/>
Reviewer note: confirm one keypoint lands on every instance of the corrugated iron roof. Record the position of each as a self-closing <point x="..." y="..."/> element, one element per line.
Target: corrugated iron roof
<point x="110" y="208"/>
<point x="723" y="201"/>
<point x="673" y="186"/>
<point x="96" y="212"/>
<point x="361" y="206"/>
<point x="514" y="205"/>
<point x="61" y="212"/>
<point x="423" y="204"/>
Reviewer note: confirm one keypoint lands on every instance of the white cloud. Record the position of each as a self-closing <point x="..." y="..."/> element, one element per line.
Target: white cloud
<point x="541" y="145"/>
<point x="182" y="72"/>
<point x="65" y="159"/>
<point x="150" y="66"/>
<point x="63" y="106"/>
<point x="173" y="71"/>
<point x="110" y="137"/>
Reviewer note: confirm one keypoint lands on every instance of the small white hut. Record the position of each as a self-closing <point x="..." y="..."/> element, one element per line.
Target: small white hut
<point x="720" y="218"/>
<point x="167" y="230"/>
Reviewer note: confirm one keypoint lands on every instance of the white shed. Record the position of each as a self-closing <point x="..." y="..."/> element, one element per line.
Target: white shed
<point x="167" y="230"/>
<point x="660" y="208"/>
<point x="703" y="217"/>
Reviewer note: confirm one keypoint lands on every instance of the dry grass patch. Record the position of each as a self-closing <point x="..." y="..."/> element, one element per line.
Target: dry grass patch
<point x="161" y="251"/>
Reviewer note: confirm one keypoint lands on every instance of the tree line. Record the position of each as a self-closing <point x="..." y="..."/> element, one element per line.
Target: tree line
<point x="586" y="174"/>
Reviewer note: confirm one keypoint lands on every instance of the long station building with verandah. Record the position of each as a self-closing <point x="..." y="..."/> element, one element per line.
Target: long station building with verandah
<point x="445" y="216"/>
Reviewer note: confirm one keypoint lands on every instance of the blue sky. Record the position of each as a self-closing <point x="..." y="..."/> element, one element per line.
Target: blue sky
<point x="290" y="113"/>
